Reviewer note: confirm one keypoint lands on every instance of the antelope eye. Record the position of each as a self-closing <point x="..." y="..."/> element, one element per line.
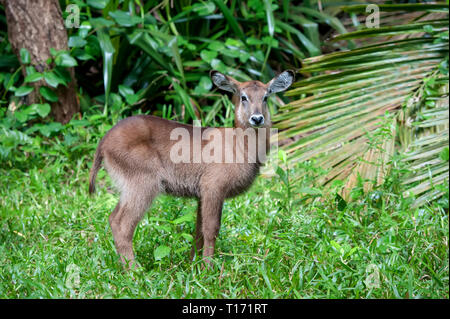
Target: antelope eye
<point x="244" y="98"/>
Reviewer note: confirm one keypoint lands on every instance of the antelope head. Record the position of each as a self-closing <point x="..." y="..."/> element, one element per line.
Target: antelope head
<point x="250" y="98"/>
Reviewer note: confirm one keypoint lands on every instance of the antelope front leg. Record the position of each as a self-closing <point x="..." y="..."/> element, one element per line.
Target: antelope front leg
<point x="211" y="214"/>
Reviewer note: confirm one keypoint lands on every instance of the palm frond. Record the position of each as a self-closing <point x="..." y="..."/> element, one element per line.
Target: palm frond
<point x="427" y="155"/>
<point x="345" y="114"/>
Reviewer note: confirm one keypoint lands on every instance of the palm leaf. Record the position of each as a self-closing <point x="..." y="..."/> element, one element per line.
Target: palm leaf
<point x="427" y="155"/>
<point x="345" y="115"/>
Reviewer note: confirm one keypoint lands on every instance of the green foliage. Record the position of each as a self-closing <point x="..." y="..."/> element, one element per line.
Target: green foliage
<point x="24" y="56"/>
<point x="159" y="65"/>
<point x="129" y="61"/>
<point x="20" y="122"/>
<point x="168" y="59"/>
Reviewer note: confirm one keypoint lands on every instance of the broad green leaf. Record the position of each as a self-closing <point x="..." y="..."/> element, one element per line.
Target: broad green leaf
<point x="24" y="56"/>
<point x="234" y="43"/>
<point x="62" y="74"/>
<point x="204" y="8"/>
<point x="23" y="90"/>
<point x="125" y="90"/>
<point x="53" y="52"/>
<point x="33" y="77"/>
<point x="48" y="94"/>
<point x="254" y="41"/>
<point x="98" y="4"/>
<point x="204" y="85"/>
<point x="270" y="42"/>
<point x="124" y="18"/>
<point x="76" y="41"/>
<point x="107" y="53"/>
<point x="161" y="252"/>
<point x="65" y="60"/>
<point x="82" y="55"/>
<point x="128" y="94"/>
<point x="30" y="69"/>
<point x="52" y="79"/>
<point x="84" y="29"/>
<point x="218" y="65"/>
<point x="216" y="46"/>
<point x="208" y="55"/>
<point x="100" y="23"/>
<point x="48" y="129"/>
<point x="42" y="109"/>
<point x="21" y="116"/>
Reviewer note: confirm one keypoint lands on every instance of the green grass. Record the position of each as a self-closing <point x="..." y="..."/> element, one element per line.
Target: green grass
<point x="268" y="247"/>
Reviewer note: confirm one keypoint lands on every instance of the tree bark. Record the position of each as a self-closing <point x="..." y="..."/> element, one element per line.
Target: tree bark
<point x="37" y="25"/>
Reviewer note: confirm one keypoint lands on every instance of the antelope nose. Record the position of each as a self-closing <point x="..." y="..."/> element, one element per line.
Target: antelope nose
<point x="257" y="120"/>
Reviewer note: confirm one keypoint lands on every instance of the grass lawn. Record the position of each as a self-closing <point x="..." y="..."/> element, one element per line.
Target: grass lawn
<point x="55" y="242"/>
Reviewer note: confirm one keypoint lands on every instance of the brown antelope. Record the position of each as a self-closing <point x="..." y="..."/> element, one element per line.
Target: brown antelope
<point x="138" y="155"/>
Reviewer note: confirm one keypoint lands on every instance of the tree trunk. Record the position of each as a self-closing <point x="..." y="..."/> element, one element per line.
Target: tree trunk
<point x="37" y="25"/>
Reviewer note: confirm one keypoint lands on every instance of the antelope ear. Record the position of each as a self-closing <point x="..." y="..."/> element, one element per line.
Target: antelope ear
<point x="281" y="82"/>
<point x="224" y="82"/>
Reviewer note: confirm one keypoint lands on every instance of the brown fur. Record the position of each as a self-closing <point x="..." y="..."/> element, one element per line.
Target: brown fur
<point x="136" y="154"/>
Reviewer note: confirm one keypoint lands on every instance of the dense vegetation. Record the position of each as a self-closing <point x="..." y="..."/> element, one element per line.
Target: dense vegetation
<point x="358" y="204"/>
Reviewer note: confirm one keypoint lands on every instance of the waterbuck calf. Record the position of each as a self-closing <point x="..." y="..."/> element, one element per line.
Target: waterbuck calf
<point x="142" y="158"/>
